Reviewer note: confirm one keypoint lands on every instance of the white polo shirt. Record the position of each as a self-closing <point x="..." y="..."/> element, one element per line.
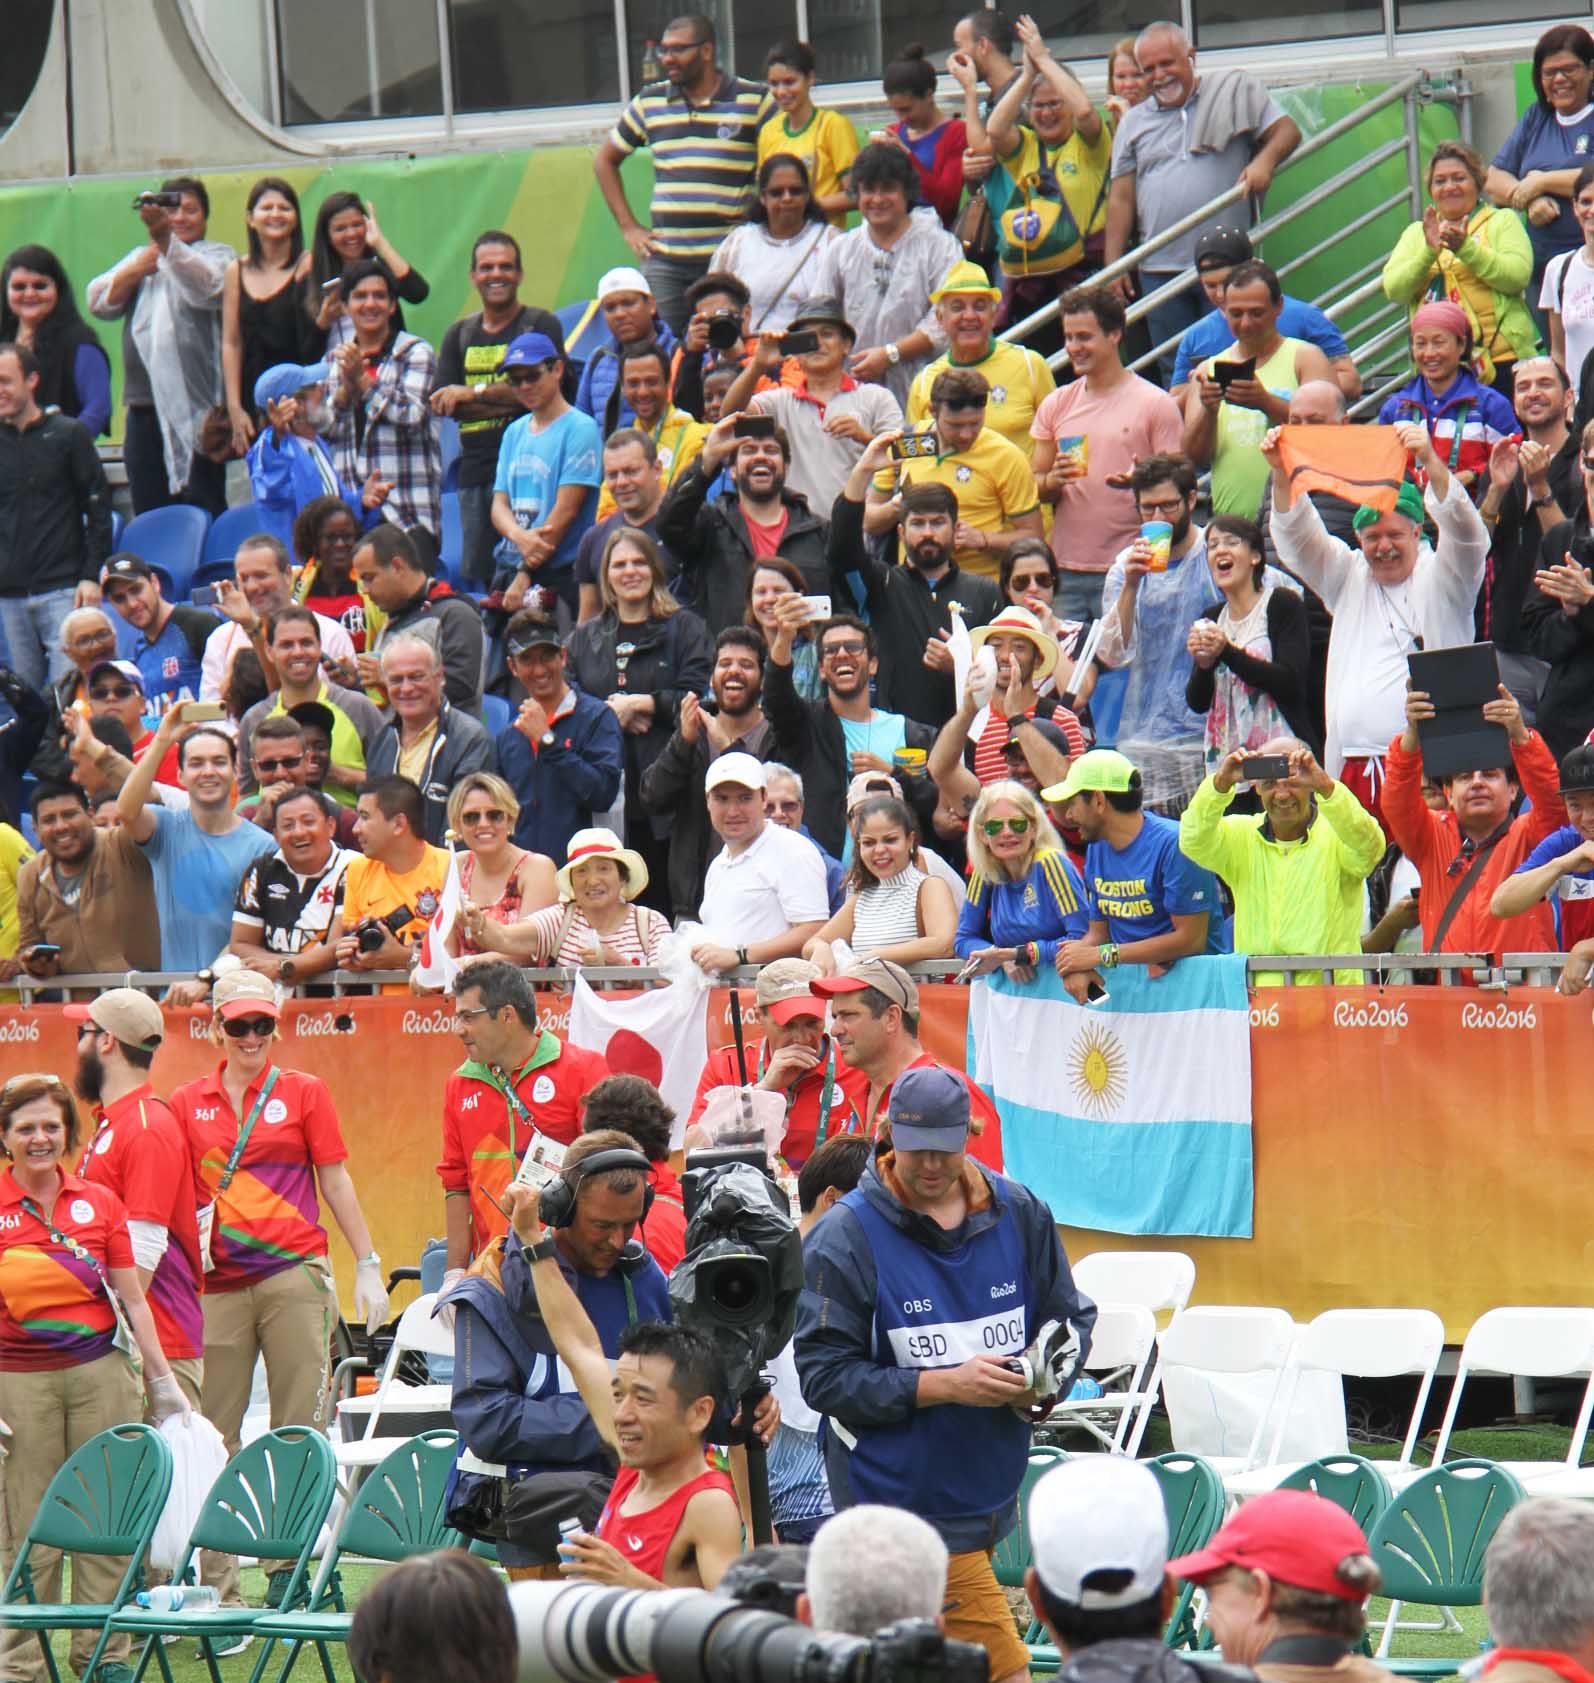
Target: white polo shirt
<point x="765" y="890"/>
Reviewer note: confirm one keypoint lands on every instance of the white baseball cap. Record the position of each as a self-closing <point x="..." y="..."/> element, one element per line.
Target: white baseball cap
<point x="623" y="280"/>
<point x="1098" y="1513"/>
<point x="743" y="770"/>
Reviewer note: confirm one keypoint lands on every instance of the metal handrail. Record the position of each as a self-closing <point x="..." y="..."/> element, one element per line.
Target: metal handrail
<point x="1354" y="226"/>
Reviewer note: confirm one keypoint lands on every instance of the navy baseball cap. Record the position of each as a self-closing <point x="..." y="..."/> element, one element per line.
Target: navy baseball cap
<point x="530" y="350"/>
<point x="928" y="1111"/>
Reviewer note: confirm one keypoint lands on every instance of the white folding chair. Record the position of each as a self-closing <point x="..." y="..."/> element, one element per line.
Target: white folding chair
<point x="1537" y="1343"/>
<point x="1160" y="1280"/>
<point x="1357" y="1344"/>
<point x="1120" y="1351"/>
<point x="416" y="1334"/>
<point x="1227" y="1339"/>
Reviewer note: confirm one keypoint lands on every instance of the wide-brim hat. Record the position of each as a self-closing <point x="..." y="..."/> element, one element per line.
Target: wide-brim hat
<point x="1020" y="622"/>
<point x="602" y="844"/>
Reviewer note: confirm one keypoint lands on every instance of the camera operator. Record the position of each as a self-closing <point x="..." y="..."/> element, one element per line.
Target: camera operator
<point x="871" y="1566"/>
<point x="924" y="1286"/>
<point x="392" y="890"/>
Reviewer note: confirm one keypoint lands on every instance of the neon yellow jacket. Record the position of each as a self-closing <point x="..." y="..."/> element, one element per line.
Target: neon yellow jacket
<point x="1289" y="897"/>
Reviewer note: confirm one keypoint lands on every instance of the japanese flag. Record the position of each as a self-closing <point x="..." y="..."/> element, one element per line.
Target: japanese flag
<point x="661" y="1035"/>
<point x="436" y="967"/>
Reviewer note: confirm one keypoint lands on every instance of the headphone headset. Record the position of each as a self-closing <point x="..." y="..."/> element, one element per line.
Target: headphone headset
<point x="557" y="1205"/>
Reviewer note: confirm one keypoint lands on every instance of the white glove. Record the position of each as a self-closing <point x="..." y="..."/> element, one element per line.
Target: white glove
<point x="370" y="1295"/>
<point x="166" y="1398"/>
<point x="445" y="1314"/>
<point x="982" y="676"/>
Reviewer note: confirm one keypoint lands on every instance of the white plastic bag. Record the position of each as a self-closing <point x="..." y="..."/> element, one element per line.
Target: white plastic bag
<point x="198" y="1456"/>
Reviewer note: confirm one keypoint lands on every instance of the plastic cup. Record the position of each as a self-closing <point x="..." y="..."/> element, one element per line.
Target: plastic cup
<point x="1159" y="534"/>
<point x="1075" y="448"/>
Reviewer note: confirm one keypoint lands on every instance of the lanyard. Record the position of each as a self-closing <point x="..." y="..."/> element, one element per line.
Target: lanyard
<point x="101" y="1126"/>
<point x="244" y="1132"/>
<point x="122" y="1337"/>
<point x="630" y="1300"/>
<point x="827" y="1093"/>
<point x="515" y="1107"/>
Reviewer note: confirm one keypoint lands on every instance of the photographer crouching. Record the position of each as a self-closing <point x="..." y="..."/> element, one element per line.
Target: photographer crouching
<point x="939" y="1311"/>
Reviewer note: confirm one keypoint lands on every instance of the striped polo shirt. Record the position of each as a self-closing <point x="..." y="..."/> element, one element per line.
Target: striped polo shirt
<point x="704" y="159"/>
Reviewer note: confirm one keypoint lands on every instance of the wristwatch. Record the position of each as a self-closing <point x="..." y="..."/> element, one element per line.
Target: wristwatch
<point x="479" y="389"/>
<point x="1542" y="502"/>
<point x="546" y="740"/>
<point x="741" y="956"/>
<point x="893" y="354"/>
<point x="544" y="1250"/>
<point x="1109" y="955"/>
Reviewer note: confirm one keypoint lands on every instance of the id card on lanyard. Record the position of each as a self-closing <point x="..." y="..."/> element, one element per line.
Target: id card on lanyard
<point x="123" y="1338"/>
<point x="544" y="1158"/>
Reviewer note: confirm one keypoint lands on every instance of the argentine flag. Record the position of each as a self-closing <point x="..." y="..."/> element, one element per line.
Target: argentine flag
<point x="1131" y="1116"/>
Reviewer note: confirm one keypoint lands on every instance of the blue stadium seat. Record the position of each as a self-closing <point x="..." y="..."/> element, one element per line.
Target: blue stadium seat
<point x="448" y="440"/>
<point x="497" y="714"/>
<point x="118" y="526"/>
<point x="211" y="572"/>
<point x="229" y="530"/>
<point x="452" y="544"/>
<point x="172" y="539"/>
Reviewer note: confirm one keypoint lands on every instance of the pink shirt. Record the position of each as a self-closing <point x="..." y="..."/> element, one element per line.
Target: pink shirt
<point x="1093" y="521"/>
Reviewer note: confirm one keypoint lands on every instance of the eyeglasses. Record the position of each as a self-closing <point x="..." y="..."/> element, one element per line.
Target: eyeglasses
<point x="526" y="376"/>
<point x="1176" y="506"/>
<point x="120" y="693"/>
<point x="852" y="646"/>
<point x="291" y="764"/>
<point x="1564" y="72"/>
<point x="240" y="1028"/>
<point x="487" y="815"/>
<point x="678" y="49"/>
<point x="993" y="826"/>
<point x="785" y="192"/>
<point x="474" y="1011"/>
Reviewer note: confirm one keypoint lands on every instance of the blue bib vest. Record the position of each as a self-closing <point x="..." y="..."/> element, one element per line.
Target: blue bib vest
<point x="936" y="1309"/>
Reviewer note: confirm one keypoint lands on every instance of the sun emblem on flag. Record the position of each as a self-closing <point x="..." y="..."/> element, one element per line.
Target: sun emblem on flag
<point x="1098" y="1071"/>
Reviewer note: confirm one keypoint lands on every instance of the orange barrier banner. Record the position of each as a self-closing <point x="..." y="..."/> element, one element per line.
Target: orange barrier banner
<point x="1414" y="1146"/>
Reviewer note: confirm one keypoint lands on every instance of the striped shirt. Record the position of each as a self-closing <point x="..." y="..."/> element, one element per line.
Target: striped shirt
<point x="704" y="160"/>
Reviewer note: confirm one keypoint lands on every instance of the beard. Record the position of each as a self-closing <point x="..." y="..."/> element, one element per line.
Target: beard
<point x="89" y="1082"/>
<point x="1181" y="528"/>
<point x="928" y="556"/>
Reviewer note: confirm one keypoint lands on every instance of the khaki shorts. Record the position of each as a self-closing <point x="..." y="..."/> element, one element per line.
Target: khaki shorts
<point x="977" y="1611"/>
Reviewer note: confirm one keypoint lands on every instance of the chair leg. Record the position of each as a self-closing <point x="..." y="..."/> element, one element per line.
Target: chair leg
<point x="49" y="1656"/>
<point x="326" y="1663"/>
<point x="209" y="1654"/>
<point x="288" y="1664"/>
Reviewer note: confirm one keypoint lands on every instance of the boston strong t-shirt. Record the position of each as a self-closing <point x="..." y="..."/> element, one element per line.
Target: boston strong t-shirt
<point x="1137" y="891"/>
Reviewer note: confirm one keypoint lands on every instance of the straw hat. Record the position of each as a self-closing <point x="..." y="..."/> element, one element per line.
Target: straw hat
<point x="1020" y="622"/>
<point x="602" y="844"/>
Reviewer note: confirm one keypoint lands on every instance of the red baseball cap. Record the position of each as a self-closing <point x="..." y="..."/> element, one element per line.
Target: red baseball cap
<point x="1295" y="1537"/>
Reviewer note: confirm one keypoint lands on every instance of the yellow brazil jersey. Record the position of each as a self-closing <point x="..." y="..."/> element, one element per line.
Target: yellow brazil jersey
<point x="991" y="480"/>
<point x="1019" y="379"/>
<point x="14" y="854"/>
<point x="678" y="440"/>
<point x="828" y="144"/>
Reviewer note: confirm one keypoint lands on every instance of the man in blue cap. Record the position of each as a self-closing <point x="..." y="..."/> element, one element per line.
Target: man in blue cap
<point x="926" y="1284"/>
<point x="289" y="464"/>
<point x="550" y="465"/>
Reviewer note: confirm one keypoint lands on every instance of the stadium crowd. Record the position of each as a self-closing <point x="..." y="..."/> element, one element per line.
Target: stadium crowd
<point x="779" y="630"/>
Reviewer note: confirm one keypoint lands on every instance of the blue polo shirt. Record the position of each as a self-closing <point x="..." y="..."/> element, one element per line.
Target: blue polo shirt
<point x="533" y="467"/>
<point x="1137" y="891"/>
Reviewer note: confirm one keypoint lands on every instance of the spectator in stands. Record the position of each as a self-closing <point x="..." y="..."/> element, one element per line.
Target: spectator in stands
<point x="1531" y="484"/>
<point x="1025" y="899"/>
<point x="1029" y="581"/>
<point x="700" y="185"/>
<point x="38" y="311"/>
<point x="1466" y="418"/>
<point x="997" y="498"/>
<point x="281" y="763"/>
<point x="1564" y="298"/>
<point x="910" y="607"/>
<point x="1533" y="1572"/>
<point x="1087" y="438"/>
<point x="645" y="387"/>
<point x="669" y="784"/>
<point x="246" y="687"/>
<point x="263" y="320"/>
<point x="1466" y="251"/>
<point x="88" y="639"/>
<point x="626" y="303"/>
<point x="1250" y="652"/>
<point x="87" y="893"/>
<point x="116" y="691"/>
<point x="768" y="582"/>
<point x="633" y="488"/>
<point x="1558" y="615"/>
<point x="831" y="741"/>
<point x="1148" y="903"/>
<point x="1048" y="192"/>
<point x="262" y="586"/>
<point x="290" y="463"/>
<point x="282" y="919"/>
<point x="827" y="416"/>
<point x="325" y="537"/>
<point x="545" y="493"/>
<point x="1218" y="253"/>
<point x="389" y="570"/>
<point x="171" y="640"/>
<point x="718" y="539"/>
<point x="1126" y="82"/>
<point x="895" y="907"/>
<point x="198" y="856"/>
<point x="167" y="295"/>
<point x="346" y="231"/>
<point x="1148" y="612"/>
<point x="634" y="1106"/>
<point x="1225" y="420"/>
<point x="1396" y="595"/>
<point x="1297" y="869"/>
<point x="786" y="804"/>
<point x="764" y="893"/>
<point x="430" y="741"/>
<point x="1466" y="853"/>
<point x="399" y="872"/>
<point x="1536" y="168"/>
<point x="884" y="270"/>
<point x="293" y="638"/>
<point x="563" y="756"/>
<point x="55" y="520"/>
<point x="472" y="389"/>
<point x="382" y="428"/>
<point x="847" y="1592"/>
<point x="502" y="881"/>
<point x="1157" y="180"/>
<point x="1561" y="867"/>
<point x="933" y="142"/>
<point x="823" y="141"/>
<point x="722" y="302"/>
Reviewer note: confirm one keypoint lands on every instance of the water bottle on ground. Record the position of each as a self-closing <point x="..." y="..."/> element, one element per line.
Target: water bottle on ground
<point x="180" y="1598"/>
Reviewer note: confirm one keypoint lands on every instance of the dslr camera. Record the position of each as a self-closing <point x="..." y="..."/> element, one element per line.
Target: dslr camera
<point x="725" y="330"/>
<point x="370" y="933"/>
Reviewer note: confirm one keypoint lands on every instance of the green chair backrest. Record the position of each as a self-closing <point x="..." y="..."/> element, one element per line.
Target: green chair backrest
<point x="1011" y="1559"/>
<point x="271" y="1499"/>
<point x="1430" y="1543"/>
<point x="1349" y="1482"/>
<point x="1192" y="1494"/>
<point x="106" y="1499"/>
<point x="398" y="1509"/>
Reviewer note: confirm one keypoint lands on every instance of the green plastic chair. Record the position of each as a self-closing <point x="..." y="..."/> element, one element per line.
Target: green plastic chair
<point x="107" y="1499"/>
<point x="270" y="1501"/>
<point x="1349" y="1482"/>
<point x="1011" y="1559"/>
<point x="1192" y="1493"/>
<point x="396" y="1512"/>
<point x="1431" y="1540"/>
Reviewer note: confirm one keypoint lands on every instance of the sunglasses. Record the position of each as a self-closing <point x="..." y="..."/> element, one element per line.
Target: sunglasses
<point x="851" y="647"/>
<point x="993" y="826"/>
<point x="240" y="1028"/>
<point x="120" y="693"/>
<point x="487" y="815"/>
<point x="785" y="192"/>
<point x="269" y="766"/>
<point x="526" y="376"/>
